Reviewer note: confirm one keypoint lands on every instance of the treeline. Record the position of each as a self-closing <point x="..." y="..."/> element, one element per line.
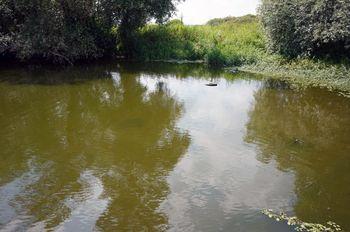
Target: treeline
<point x="70" y="30"/>
<point x="66" y="31"/>
<point x="243" y="19"/>
<point x="291" y="28"/>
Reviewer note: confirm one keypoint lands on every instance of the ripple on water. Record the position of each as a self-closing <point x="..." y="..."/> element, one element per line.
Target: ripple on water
<point x="86" y="206"/>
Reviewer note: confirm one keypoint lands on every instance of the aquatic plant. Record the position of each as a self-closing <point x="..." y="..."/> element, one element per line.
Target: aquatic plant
<point x="300" y="225"/>
<point x="304" y="72"/>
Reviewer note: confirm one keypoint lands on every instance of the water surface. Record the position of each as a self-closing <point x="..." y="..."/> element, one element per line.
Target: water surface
<point x="150" y="147"/>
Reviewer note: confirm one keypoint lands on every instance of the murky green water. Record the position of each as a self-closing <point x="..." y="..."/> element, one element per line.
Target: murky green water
<point x="129" y="147"/>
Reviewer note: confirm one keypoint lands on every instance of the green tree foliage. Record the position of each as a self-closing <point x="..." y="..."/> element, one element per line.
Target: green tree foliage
<point x="243" y="19"/>
<point x="70" y="30"/>
<point x="307" y="27"/>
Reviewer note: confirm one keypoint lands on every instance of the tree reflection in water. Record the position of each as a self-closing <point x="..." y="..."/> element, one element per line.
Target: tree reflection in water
<point x="62" y="142"/>
<point x="306" y="132"/>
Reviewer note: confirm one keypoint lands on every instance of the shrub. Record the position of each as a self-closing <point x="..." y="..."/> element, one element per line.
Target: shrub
<point x="307" y="27"/>
<point x="229" y="43"/>
<point x="243" y="19"/>
<point x="69" y="30"/>
<point x="215" y="58"/>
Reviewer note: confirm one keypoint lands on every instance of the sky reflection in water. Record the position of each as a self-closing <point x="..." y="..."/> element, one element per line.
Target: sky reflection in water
<point x="151" y="147"/>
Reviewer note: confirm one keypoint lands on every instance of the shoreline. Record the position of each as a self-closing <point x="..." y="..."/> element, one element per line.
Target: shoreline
<point x="333" y="78"/>
<point x="300" y="76"/>
<point x="327" y="77"/>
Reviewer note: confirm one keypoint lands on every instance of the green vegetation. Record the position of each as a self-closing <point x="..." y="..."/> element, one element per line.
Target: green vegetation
<point x="312" y="38"/>
<point x="299" y="225"/>
<point x="244" y="19"/>
<point x="235" y="42"/>
<point x="305" y="42"/>
<point x="70" y="30"/>
<point x="307" y="27"/>
<point x="320" y="58"/>
<point x="305" y="72"/>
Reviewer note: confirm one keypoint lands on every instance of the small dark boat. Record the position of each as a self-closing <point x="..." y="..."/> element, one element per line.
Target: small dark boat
<point x="212" y="84"/>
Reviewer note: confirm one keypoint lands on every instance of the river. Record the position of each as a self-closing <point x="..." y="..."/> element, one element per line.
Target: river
<point x="151" y="147"/>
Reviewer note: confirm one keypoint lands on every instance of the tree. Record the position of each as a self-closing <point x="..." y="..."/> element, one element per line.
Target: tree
<point x="70" y="30"/>
<point x="307" y="27"/>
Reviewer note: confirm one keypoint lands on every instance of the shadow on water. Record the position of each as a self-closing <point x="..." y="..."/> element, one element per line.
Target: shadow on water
<point x="52" y="76"/>
<point x="306" y="132"/>
<point x="101" y="153"/>
<point x="37" y="75"/>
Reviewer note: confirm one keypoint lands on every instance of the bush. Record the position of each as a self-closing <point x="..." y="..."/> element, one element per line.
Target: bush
<point x="307" y="27"/>
<point x="170" y="41"/>
<point x="243" y="19"/>
<point x="70" y="30"/>
<point x="215" y="58"/>
<point x="229" y="43"/>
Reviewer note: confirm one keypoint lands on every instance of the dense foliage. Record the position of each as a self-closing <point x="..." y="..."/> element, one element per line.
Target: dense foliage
<point x="69" y="30"/>
<point x="307" y="27"/>
<point x="243" y="19"/>
<point x="234" y="42"/>
<point x="237" y="42"/>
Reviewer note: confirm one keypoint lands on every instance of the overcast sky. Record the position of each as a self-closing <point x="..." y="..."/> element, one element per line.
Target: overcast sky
<point x="200" y="11"/>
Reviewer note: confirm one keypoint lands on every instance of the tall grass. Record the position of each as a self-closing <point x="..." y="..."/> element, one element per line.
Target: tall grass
<point x="305" y="72"/>
<point x="236" y="43"/>
<point x="231" y="43"/>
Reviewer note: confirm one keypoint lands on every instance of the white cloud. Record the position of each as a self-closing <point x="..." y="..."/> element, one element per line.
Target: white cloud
<point x="200" y="11"/>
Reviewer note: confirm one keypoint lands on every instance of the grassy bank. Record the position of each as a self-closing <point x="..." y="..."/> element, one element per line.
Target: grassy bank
<point x="236" y="42"/>
<point x="230" y="43"/>
<point x="305" y="72"/>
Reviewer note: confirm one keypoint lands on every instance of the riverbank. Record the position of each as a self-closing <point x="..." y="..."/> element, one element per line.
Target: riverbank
<point x="230" y="42"/>
<point x="237" y="42"/>
<point x="305" y="72"/>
